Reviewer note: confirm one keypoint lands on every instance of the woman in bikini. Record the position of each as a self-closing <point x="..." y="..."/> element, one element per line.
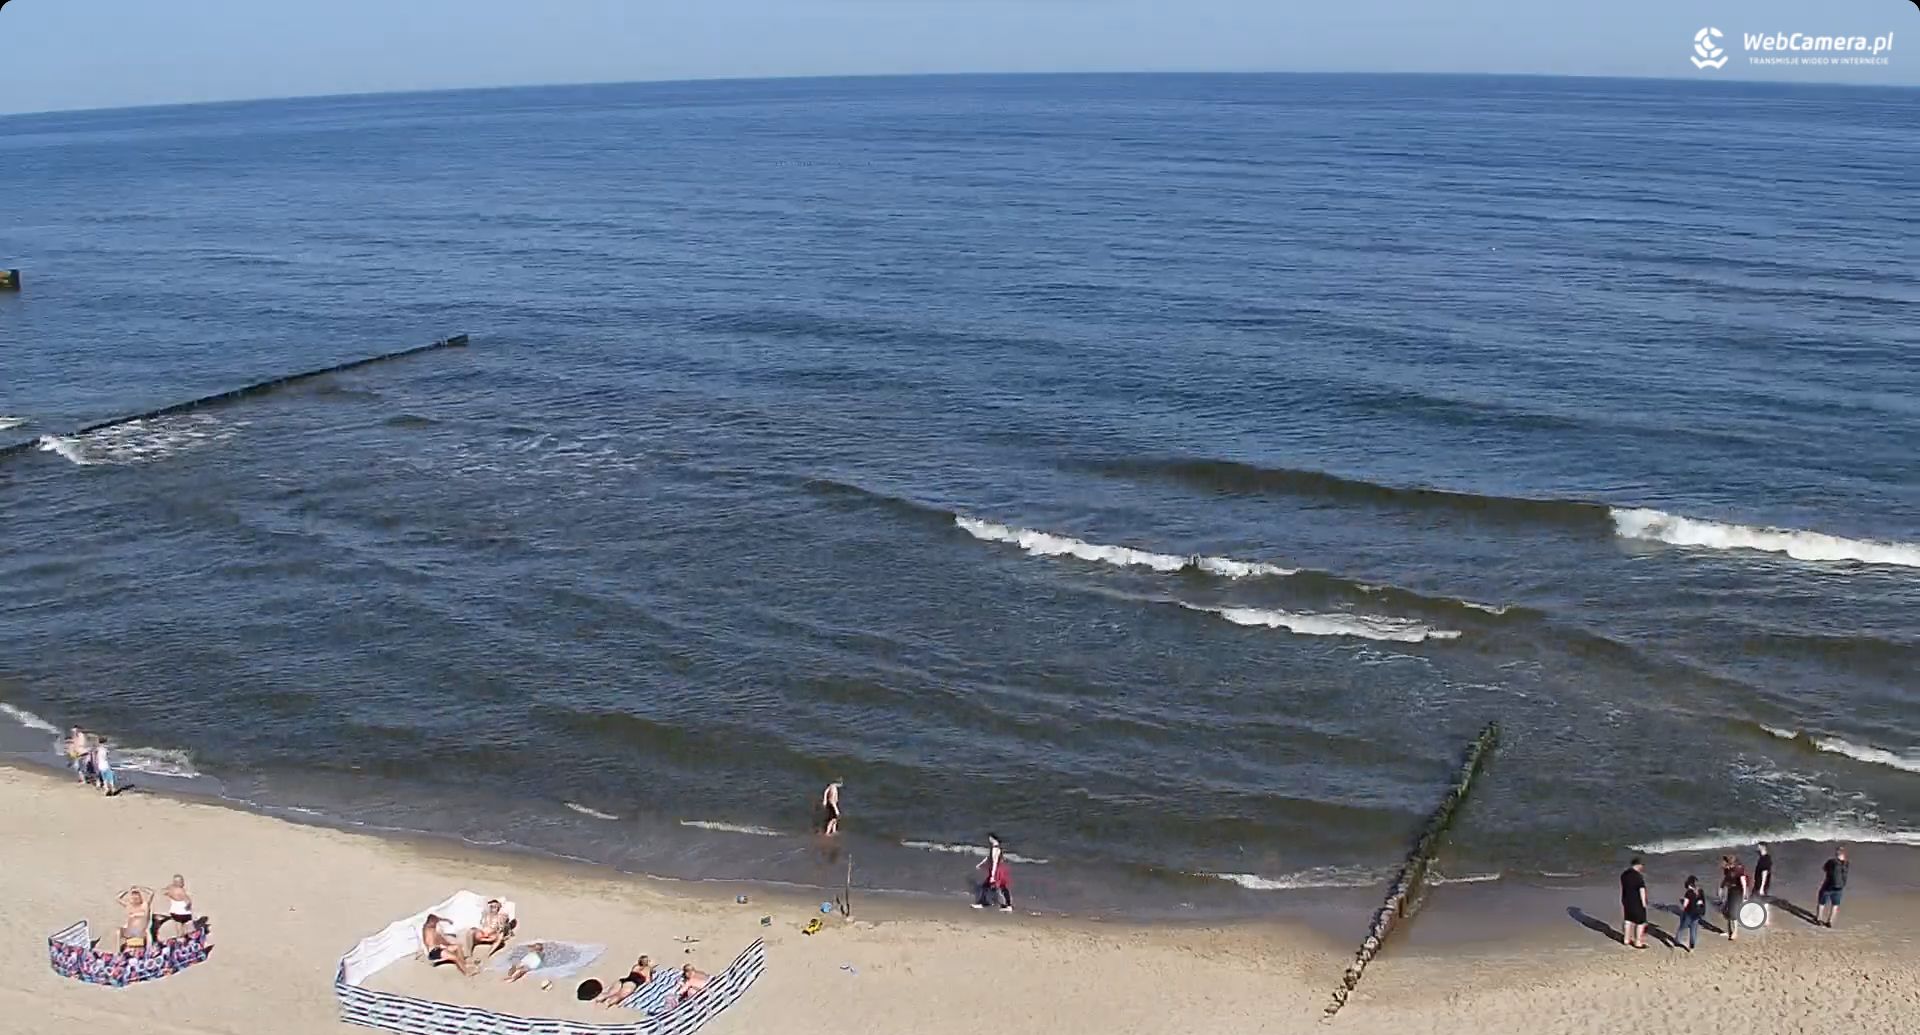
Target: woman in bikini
<point x="636" y="978"/>
<point x="138" y="902"/>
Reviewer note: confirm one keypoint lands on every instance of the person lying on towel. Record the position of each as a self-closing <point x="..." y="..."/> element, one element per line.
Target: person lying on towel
<point x="641" y="973"/>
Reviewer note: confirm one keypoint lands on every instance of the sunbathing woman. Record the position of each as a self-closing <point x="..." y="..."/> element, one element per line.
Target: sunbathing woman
<point x="494" y="930"/>
<point x="641" y="973"/>
<point x="138" y="902"/>
<point x="692" y="983"/>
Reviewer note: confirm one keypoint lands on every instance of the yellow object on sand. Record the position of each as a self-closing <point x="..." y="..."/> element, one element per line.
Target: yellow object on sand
<point x="813" y="926"/>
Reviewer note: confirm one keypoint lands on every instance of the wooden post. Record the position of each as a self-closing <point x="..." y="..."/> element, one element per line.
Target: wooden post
<point x="846" y="901"/>
<point x="1409" y="884"/>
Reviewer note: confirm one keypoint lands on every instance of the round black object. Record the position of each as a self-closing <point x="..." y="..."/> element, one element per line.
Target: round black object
<point x="589" y="990"/>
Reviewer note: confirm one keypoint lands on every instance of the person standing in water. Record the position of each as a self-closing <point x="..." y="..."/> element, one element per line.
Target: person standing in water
<point x="79" y="755"/>
<point x="1832" y="886"/>
<point x="1763" y="880"/>
<point x="103" y="768"/>
<point x="830" y="807"/>
<point x="997" y="878"/>
<point x="1633" y="905"/>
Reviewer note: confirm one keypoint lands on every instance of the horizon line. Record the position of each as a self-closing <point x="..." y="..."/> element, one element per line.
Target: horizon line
<point x="817" y="77"/>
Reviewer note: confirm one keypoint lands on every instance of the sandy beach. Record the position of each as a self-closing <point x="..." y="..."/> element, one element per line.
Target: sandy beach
<point x="287" y="900"/>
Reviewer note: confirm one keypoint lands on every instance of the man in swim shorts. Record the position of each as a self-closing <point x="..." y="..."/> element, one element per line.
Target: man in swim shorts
<point x="830" y="808"/>
<point x="1633" y="904"/>
<point x="1832" y="886"/>
<point x="442" y="947"/>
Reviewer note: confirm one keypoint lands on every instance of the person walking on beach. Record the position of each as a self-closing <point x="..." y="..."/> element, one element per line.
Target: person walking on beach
<point x="1832" y="886"/>
<point x="997" y="878"/>
<point x="830" y="807"/>
<point x="1633" y="904"/>
<point x="1693" y="909"/>
<point x="1733" y="883"/>
<point x="1763" y="880"/>
<point x="103" y="768"/>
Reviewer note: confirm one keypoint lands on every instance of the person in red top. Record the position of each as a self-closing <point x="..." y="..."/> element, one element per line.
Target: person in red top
<point x="997" y="877"/>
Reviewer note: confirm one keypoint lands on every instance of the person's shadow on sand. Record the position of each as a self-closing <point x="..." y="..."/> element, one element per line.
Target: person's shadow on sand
<point x="1705" y="924"/>
<point x="1601" y="927"/>
<point x="1774" y="900"/>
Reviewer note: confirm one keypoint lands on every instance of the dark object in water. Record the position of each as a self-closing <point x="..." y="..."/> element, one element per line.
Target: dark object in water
<point x="222" y="398"/>
<point x="588" y="991"/>
<point x="9" y="279"/>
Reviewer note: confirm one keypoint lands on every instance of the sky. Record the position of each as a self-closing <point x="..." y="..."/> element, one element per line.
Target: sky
<point x="60" y="54"/>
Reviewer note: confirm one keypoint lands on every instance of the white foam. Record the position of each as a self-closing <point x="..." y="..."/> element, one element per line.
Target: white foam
<point x="1316" y="877"/>
<point x="27" y="718"/>
<point x="140" y="441"/>
<point x="1834" y="745"/>
<point x="973" y="850"/>
<point x="7" y="422"/>
<point x="729" y="828"/>
<point x="153" y="761"/>
<point x="1046" y="544"/>
<point x="1471" y="878"/>
<point x="1371" y="627"/>
<point x="1843" y="831"/>
<point x="584" y="811"/>
<point x="1645" y="523"/>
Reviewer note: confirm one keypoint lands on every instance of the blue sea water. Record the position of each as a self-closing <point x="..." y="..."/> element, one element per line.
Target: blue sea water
<point x="1167" y="472"/>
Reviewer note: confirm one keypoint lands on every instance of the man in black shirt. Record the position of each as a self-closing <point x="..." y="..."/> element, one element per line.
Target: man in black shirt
<point x="1763" y="880"/>
<point x="1633" y="905"/>
<point x="1833" y="886"/>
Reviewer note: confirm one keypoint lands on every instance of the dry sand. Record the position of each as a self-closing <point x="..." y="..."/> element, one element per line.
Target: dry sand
<point x="287" y="900"/>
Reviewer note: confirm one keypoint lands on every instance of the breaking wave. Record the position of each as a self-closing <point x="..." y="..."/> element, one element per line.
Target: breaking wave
<point x="1046" y="544"/>
<point x="1316" y="877"/>
<point x="1234" y="477"/>
<point x="1371" y="627"/>
<point x="1841" y="831"/>
<point x="27" y="718"/>
<point x="8" y="423"/>
<point x="154" y="761"/>
<point x="1834" y="745"/>
<point x="140" y="441"/>
<point x="729" y="828"/>
<point x="973" y="850"/>
<point x="1660" y="526"/>
<point x="585" y="811"/>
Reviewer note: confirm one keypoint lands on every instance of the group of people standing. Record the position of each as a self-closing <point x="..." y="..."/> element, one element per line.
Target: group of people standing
<point x="1737" y="887"/>
<point x="87" y="756"/>
<point x="996" y="880"/>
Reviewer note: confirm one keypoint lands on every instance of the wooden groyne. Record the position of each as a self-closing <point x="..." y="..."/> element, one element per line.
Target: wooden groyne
<point x="1409" y="884"/>
<point x="223" y="398"/>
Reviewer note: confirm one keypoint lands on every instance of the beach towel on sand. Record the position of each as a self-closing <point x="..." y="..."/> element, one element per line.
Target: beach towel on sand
<point x="557" y="959"/>
<point x="659" y="1013"/>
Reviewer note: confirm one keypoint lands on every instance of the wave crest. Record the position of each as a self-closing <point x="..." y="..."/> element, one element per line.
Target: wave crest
<point x="1841" y="831"/>
<point x="1047" y="544"/>
<point x="973" y="850"/>
<point x="1370" y="627"/>
<point x="27" y="718"/>
<point x="1315" y="877"/>
<point x="1859" y="753"/>
<point x="1660" y="526"/>
<point x="139" y="441"/>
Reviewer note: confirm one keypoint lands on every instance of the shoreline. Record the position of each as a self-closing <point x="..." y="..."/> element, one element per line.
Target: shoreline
<point x="287" y="898"/>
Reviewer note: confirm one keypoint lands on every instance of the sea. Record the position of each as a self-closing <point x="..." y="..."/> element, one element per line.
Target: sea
<point x="1167" y="473"/>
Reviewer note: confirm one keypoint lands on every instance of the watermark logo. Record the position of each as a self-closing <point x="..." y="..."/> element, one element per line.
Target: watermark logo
<point x="1707" y="52"/>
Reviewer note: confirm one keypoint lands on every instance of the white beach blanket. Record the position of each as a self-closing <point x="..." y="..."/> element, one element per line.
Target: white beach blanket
<point x="557" y="959"/>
